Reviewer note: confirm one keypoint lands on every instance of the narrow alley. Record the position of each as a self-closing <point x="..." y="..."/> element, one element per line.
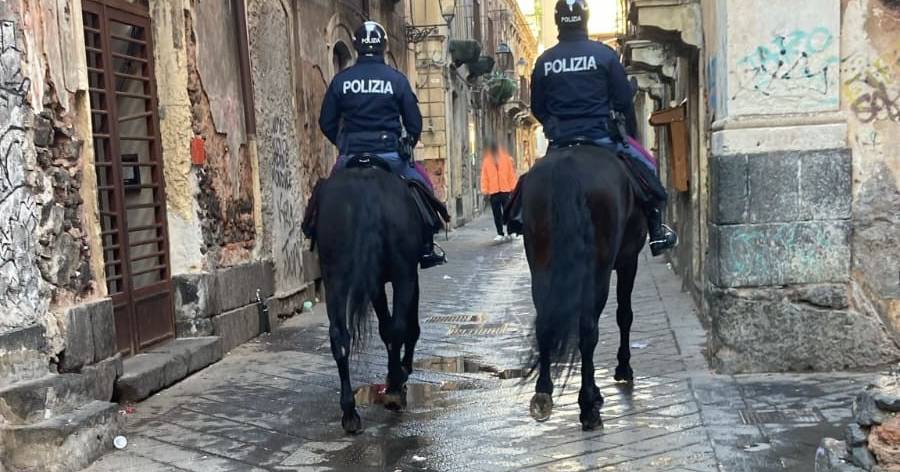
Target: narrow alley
<point x="272" y="404"/>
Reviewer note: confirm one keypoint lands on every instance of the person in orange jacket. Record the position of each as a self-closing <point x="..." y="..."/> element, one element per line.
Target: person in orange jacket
<point x="498" y="179"/>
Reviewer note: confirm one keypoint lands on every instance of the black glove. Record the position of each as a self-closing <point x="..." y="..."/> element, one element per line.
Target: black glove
<point x="406" y="149"/>
<point x="615" y="126"/>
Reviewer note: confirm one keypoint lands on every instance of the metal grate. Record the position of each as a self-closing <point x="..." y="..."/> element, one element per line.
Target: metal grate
<point x="485" y="329"/>
<point x="455" y="319"/>
<point x="128" y="163"/>
<point x="755" y="417"/>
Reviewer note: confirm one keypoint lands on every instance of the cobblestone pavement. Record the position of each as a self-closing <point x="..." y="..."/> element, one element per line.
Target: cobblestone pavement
<point x="273" y="404"/>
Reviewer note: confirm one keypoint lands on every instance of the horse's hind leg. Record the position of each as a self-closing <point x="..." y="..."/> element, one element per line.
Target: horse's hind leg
<point x="626" y="274"/>
<point x="340" y="349"/>
<point x="404" y="297"/>
<point x="412" y="332"/>
<point x="590" y="400"/>
<point x="542" y="401"/>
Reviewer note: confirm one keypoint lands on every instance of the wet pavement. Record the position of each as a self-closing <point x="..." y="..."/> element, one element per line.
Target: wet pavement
<point x="272" y="404"/>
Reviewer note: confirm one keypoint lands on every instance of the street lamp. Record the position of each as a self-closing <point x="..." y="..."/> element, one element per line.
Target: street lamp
<point x="504" y="57"/>
<point x="522" y="66"/>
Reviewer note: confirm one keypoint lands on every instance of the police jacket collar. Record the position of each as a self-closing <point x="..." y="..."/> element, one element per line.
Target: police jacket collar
<point x="373" y="59"/>
<point x="575" y="35"/>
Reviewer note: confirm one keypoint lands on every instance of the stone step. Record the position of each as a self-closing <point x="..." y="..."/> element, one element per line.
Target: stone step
<point x="22" y="355"/>
<point x="162" y="366"/>
<point x="55" y="394"/>
<point x="63" y="443"/>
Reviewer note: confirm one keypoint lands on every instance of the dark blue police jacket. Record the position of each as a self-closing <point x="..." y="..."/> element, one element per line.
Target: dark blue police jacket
<point x="575" y="84"/>
<point x="364" y="105"/>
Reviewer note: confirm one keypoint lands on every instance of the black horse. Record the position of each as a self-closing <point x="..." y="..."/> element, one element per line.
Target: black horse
<point x="369" y="232"/>
<point x="581" y="221"/>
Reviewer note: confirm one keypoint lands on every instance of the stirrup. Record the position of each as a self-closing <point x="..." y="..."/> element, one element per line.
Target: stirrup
<point x="433" y="259"/>
<point x="669" y="241"/>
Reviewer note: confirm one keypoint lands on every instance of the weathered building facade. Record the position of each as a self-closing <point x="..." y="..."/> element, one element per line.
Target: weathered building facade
<point x="775" y="124"/>
<point x="157" y="157"/>
<point x="452" y="42"/>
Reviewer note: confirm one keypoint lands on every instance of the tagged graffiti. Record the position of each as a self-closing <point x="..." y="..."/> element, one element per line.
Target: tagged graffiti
<point x="872" y="88"/>
<point x="797" y="65"/>
<point x="19" y="274"/>
<point x="287" y="217"/>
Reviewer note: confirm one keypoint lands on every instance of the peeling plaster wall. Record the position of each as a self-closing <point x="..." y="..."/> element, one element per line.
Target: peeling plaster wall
<point x="170" y="61"/>
<point x="226" y="180"/>
<point x="48" y="261"/>
<point x="870" y="97"/>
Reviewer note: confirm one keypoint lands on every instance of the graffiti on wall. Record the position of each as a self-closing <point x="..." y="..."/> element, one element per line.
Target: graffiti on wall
<point x="288" y="216"/>
<point x="796" y="65"/>
<point x="872" y="88"/>
<point x="19" y="273"/>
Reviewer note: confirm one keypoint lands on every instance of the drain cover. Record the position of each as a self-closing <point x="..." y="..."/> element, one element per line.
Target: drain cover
<point x="454" y="319"/>
<point x="486" y="329"/>
<point x="780" y="416"/>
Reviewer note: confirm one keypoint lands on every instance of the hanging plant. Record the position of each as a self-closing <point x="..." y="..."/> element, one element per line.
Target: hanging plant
<point x="464" y="51"/>
<point x="500" y="88"/>
<point x="483" y="65"/>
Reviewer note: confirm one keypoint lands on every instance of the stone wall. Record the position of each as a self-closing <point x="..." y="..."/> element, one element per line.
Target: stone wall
<point x="870" y="97"/>
<point x="48" y="256"/>
<point x="872" y="441"/>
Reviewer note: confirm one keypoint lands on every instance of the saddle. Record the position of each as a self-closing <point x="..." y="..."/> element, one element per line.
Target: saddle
<point x="367" y="161"/>
<point x="433" y="212"/>
<point x="646" y="185"/>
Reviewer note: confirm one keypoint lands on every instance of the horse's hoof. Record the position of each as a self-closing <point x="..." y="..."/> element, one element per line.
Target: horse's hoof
<point x="624" y="374"/>
<point x="352" y="424"/>
<point x="541" y="406"/>
<point x="395" y="401"/>
<point x="592" y="421"/>
<point x="590" y="418"/>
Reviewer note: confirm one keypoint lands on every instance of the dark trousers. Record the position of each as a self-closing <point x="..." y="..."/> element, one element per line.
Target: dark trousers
<point x="498" y="202"/>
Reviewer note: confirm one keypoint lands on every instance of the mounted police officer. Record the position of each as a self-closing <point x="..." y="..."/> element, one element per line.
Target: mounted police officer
<point x="576" y="88"/>
<point x="366" y="109"/>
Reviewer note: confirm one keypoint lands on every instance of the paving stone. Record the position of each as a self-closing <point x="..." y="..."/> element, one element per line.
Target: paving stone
<point x="272" y="403"/>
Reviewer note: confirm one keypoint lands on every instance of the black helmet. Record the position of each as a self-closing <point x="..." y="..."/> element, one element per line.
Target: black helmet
<point x="370" y="38"/>
<point x="572" y="14"/>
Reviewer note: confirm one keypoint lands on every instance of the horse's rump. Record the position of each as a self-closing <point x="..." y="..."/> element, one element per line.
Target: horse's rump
<point x="576" y="203"/>
<point x="368" y="230"/>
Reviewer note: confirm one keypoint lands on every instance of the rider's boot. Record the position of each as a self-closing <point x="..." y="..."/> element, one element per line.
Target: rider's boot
<point x="662" y="237"/>
<point x="430" y="257"/>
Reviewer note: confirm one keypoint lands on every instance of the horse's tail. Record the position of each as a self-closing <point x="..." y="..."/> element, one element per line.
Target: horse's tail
<point x="363" y="261"/>
<point x="570" y="292"/>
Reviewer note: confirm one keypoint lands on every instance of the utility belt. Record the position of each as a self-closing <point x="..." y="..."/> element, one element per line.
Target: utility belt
<point x="357" y="142"/>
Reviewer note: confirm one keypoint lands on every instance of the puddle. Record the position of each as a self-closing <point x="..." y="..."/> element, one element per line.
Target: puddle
<point x="418" y="395"/>
<point x="464" y="365"/>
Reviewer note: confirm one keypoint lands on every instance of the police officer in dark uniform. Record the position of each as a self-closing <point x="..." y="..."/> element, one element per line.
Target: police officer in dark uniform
<point x="366" y="109"/>
<point x="575" y="87"/>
